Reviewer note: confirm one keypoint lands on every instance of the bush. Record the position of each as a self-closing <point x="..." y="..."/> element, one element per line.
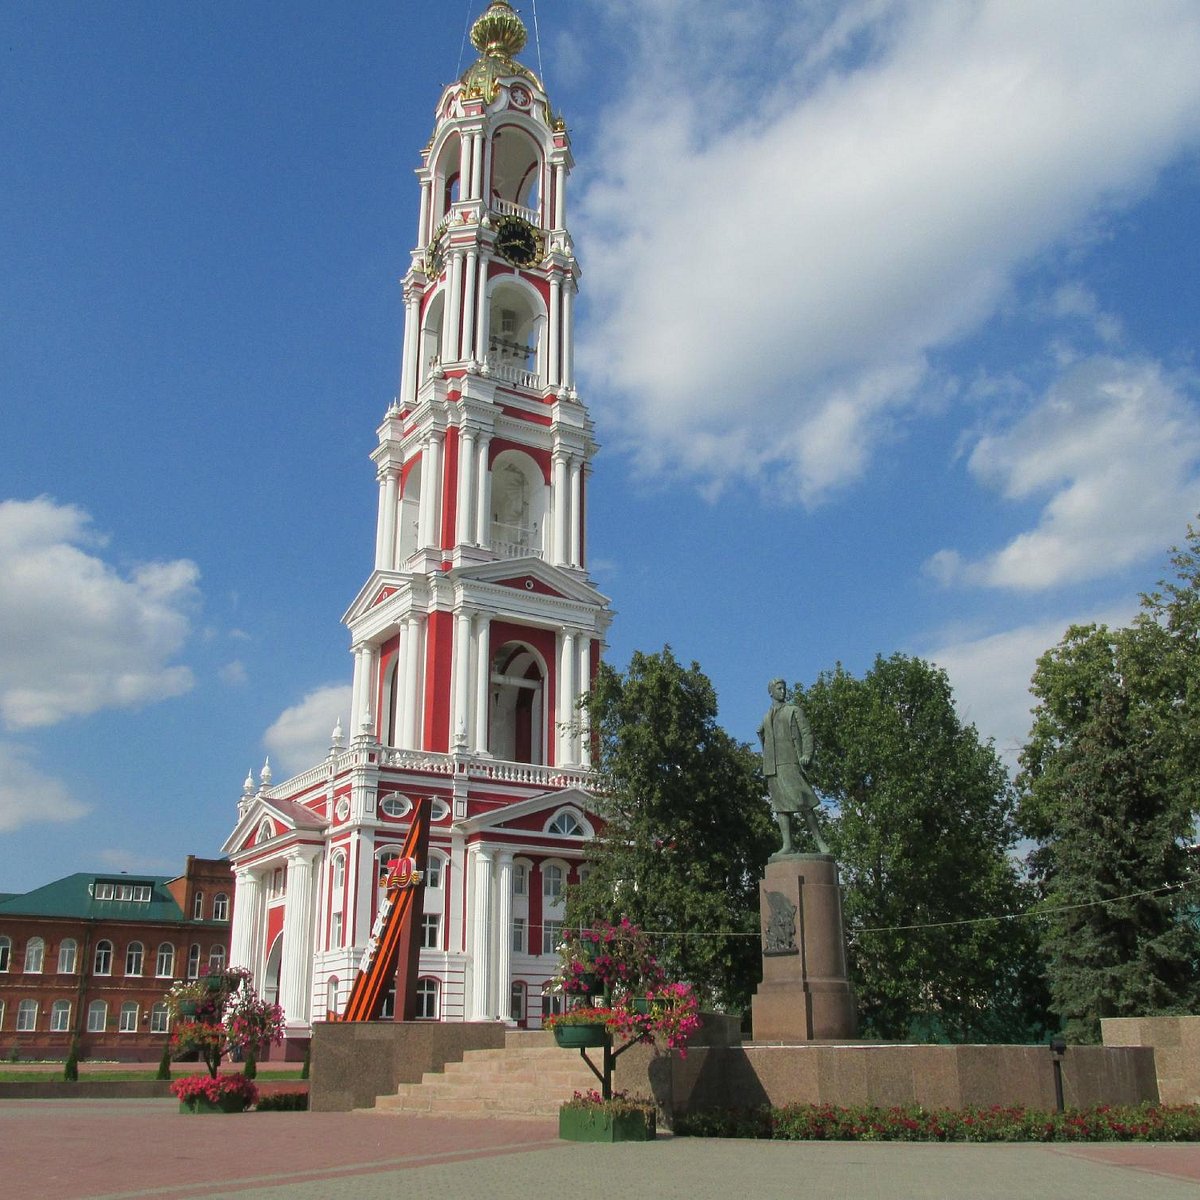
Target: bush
<point x="825" y="1122"/>
<point x="283" y="1102"/>
<point x="164" y="1063"/>
<point x="71" y="1066"/>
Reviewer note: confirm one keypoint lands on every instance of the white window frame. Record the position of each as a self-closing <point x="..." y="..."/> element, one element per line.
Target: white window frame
<point x="102" y="959"/>
<point x="221" y="907"/>
<point x="553" y="871"/>
<point x="337" y="927"/>
<point x="135" y="959"/>
<point x="27" y="1015"/>
<point x="5" y="954"/>
<point x="434" y="866"/>
<point x="164" y="960"/>
<point x="68" y="956"/>
<point x="160" y="1018"/>
<point x="520" y="935"/>
<point x="35" y="955"/>
<point x="129" y="1017"/>
<point x="429" y="994"/>
<point x="193" y="966"/>
<point x="431" y="931"/>
<point x="198" y="906"/>
<point x="551" y="936"/>
<point x="216" y="959"/>
<point x="60" y="1016"/>
<point x="97" y="1016"/>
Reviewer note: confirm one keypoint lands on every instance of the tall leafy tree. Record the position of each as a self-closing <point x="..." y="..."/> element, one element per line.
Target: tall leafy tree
<point x="688" y="829"/>
<point x="1109" y="791"/>
<point x="923" y="832"/>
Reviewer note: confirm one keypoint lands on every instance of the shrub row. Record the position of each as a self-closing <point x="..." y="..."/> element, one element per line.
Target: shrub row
<point x="282" y="1102"/>
<point x="824" y="1122"/>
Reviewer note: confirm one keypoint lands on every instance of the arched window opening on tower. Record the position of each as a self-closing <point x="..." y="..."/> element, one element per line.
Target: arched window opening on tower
<point x="516" y="175"/>
<point x="431" y="338"/>
<point x="446" y="189"/>
<point x="517" y="705"/>
<point x="518" y="506"/>
<point x="409" y="523"/>
<point x="516" y="328"/>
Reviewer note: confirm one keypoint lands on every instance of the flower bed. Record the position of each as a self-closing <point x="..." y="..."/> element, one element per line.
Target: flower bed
<point x="588" y="1117"/>
<point x="824" y="1122"/>
<point x="208" y="1093"/>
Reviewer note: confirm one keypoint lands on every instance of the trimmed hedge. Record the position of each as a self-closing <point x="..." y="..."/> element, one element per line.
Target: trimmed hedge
<point x="282" y="1102"/>
<point x="824" y="1122"/>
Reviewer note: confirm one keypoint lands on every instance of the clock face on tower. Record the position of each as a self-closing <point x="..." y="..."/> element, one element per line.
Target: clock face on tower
<point x="518" y="242"/>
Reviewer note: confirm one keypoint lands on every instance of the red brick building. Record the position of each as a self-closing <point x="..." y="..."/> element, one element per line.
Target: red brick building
<point x="91" y="955"/>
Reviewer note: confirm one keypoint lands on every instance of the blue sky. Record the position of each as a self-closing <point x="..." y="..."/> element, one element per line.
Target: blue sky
<point x="888" y="326"/>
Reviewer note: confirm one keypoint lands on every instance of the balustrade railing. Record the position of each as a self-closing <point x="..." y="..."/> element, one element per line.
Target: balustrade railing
<point x="506" y="208"/>
<point x="509" y="372"/>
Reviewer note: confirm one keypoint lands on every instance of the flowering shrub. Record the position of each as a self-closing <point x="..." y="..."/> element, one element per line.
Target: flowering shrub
<point x="231" y="1016"/>
<point x="582" y="1014"/>
<point x="616" y="959"/>
<point x="215" y="1088"/>
<point x="999" y="1123"/>
<point x="621" y="1104"/>
<point x="670" y="1019"/>
<point x="284" y="1102"/>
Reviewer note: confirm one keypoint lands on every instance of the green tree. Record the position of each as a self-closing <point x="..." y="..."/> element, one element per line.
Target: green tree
<point x="923" y="833"/>
<point x="687" y="828"/>
<point x="1109" y="791"/>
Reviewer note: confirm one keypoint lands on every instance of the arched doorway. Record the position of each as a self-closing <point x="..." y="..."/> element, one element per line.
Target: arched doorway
<point x="517" y="701"/>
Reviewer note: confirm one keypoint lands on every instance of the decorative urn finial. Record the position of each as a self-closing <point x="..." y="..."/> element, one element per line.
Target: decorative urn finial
<point x="499" y="33"/>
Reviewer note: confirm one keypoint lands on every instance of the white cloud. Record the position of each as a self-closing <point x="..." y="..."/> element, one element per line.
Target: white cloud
<point x="771" y="262"/>
<point x="27" y="796"/>
<point x="76" y="634"/>
<point x="1115" y="446"/>
<point x="990" y="674"/>
<point x="299" y="737"/>
<point x="233" y="673"/>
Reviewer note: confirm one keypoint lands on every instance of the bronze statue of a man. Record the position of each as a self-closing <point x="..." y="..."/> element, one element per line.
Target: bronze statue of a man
<point x="787" y="743"/>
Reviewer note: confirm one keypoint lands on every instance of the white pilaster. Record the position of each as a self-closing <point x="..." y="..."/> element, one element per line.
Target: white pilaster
<point x="464" y="515"/>
<point x="453" y="314"/>
<point x="583" y="684"/>
<point x="470" y="280"/>
<point x="482" y="680"/>
<point x="555" y="333"/>
<point x="295" y="977"/>
<point x="412" y="351"/>
<point x="483" y="493"/>
<point x="559" y="504"/>
<point x="568" y="353"/>
<point x="481" y="929"/>
<point x="560" y="196"/>
<point x="460" y="731"/>
<point x="247" y="919"/>
<point x="574" y="516"/>
<point x="503" y="981"/>
<point x="385" y="550"/>
<point x="410" y="644"/>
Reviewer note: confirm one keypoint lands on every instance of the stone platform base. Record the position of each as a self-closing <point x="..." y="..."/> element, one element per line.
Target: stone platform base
<point x="1176" y="1045"/>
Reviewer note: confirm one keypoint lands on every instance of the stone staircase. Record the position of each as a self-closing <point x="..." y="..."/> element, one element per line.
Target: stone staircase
<point x="529" y="1077"/>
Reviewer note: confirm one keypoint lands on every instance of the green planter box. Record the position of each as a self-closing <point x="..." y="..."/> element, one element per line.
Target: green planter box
<point x="227" y="1104"/>
<point x="596" y="1125"/>
<point x="579" y="1037"/>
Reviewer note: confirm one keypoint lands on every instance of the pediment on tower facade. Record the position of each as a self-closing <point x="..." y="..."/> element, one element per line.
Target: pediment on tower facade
<point x="271" y="821"/>
<point x="536" y="814"/>
<point x="380" y="587"/>
<point x="531" y="575"/>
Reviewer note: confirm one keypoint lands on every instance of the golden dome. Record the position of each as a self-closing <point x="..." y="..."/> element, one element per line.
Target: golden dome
<point x="499" y="32"/>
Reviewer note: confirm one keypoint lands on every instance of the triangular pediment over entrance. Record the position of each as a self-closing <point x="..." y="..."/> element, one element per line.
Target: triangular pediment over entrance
<point x="285" y="818"/>
<point x="527" y="815"/>
<point x="531" y="575"/>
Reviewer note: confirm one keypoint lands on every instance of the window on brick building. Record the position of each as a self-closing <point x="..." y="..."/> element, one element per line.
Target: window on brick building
<point x="194" y="961"/>
<point x="198" y="907"/>
<point x="102" y="963"/>
<point x="516" y="1002"/>
<point x="97" y="1016"/>
<point x="68" y="950"/>
<point x="427" y="999"/>
<point x="164" y="961"/>
<point x="431" y="928"/>
<point x="129" y="1017"/>
<point x="220" y="907"/>
<point x="60" y="1016"/>
<point x="27" y="1016"/>
<point x="35" y="954"/>
<point x="551" y="936"/>
<point x="159" y="1018"/>
<point x="133" y="958"/>
<point x="5" y="953"/>
<point x="216" y="960"/>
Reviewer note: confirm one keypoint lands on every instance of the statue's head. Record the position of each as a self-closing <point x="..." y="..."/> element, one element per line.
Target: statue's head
<point x="777" y="688"/>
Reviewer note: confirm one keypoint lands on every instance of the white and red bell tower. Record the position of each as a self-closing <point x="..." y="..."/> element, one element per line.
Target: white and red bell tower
<point x="478" y="630"/>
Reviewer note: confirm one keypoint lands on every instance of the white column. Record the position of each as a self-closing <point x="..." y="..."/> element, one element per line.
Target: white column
<point x="385" y="555"/>
<point x="481" y="329"/>
<point x="452" y="317"/>
<point x="575" y="512"/>
<point x="568" y="695"/>
<point x="465" y="519"/>
<point x="477" y="168"/>
<point x="460" y="730"/>
<point x="583" y="683"/>
<point x="568" y="352"/>
<point x="247" y="902"/>
<point x="381" y="479"/>
<point x="412" y="661"/>
<point x="464" y="166"/>
<point x="503" y="987"/>
<point x="481" y="930"/>
<point x="553" y="368"/>
<point x="412" y="352"/>
<point x="559" y="505"/>
<point x="483" y="493"/>
<point x="468" y="307"/>
<point x="423" y="225"/>
<point x="560" y="196"/>
<point x="429" y="533"/>
<point x="298" y="917"/>
<point x="482" y="680"/>
<point x="360" y="700"/>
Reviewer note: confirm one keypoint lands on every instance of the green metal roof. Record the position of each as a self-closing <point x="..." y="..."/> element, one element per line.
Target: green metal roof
<point x="74" y="897"/>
